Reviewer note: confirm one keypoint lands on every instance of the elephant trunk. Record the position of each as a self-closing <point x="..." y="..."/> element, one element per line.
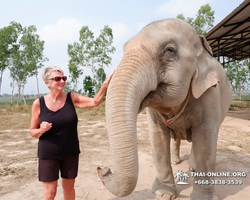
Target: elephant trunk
<point x="129" y="86"/>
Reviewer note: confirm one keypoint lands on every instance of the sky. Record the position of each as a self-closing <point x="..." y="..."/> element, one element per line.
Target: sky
<point x="58" y="23"/>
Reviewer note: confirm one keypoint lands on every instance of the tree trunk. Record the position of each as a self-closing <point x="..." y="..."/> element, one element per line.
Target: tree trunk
<point x="1" y="78"/>
<point x="38" y="95"/>
<point x="102" y="74"/>
<point x="239" y="93"/>
<point x="23" y="96"/>
<point x="75" y="88"/>
<point x="12" y="92"/>
<point x="19" y="91"/>
<point x="93" y="75"/>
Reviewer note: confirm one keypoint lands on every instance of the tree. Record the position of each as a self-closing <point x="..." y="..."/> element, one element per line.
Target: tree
<point x="89" y="52"/>
<point x="32" y="52"/>
<point x="104" y="42"/>
<point x="74" y="52"/>
<point x="8" y="40"/>
<point x="18" y="72"/>
<point x="100" y="77"/>
<point x="204" y="19"/>
<point x="82" y="54"/>
<point x="88" y="86"/>
<point x="239" y="75"/>
<point x="12" y="85"/>
<point x="68" y="87"/>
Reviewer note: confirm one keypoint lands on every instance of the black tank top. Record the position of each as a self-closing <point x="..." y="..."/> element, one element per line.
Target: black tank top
<point x="62" y="139"/>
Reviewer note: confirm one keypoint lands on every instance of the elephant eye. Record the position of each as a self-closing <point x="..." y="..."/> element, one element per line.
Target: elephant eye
<point x="170" y="54"/>
<point x="170" y="49"/>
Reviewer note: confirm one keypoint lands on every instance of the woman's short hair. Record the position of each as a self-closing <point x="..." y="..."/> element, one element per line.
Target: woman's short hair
<point x="47" y="71"/>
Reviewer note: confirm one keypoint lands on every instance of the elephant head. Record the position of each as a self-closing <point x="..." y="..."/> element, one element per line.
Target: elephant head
<point x="159" y="66"/>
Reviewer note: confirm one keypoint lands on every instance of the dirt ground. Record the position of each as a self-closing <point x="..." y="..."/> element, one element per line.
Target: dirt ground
<point x="18" y="159"/>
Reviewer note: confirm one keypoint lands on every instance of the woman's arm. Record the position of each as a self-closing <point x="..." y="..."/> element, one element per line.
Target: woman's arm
<point x="81" y="101"/>
<point x="36" y="129"/>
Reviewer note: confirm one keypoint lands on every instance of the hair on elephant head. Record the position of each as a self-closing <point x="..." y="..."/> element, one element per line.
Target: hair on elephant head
<point x="168" y="68"/>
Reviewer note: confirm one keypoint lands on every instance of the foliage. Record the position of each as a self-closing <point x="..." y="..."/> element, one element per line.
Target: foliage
<point x="17" y="71"/>
<point x="104" y="42"/>
<point x="32" y="50"/>
<point x="26" y="58"/>
<point x="203" y="21"/>
<point x="239" y="75"/>
<point x="81" y="53"/>
<point x="21" y="50"/>
<point x="8" y="44"/>
<point x="68" y="87"/>
<point x="88" y="86"/>
<point x="92" y="53"/>
<point x="237" y="71"/>
<point x="74" y="62"/>
<point x="100" y="77"/>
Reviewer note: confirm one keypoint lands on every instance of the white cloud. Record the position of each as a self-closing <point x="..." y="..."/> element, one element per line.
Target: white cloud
<point x="64" y="31"/>
<point x="121" y="33"/>
<point x="174" y="7"/>
<point x="57" y="36"/>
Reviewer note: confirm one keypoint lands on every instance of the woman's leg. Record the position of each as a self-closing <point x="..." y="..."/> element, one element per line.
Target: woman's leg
<point x="49" y="190"/>
<point x="48" y="174"/>
<point x="68" y="189"/>
<point x="69" y="170"/>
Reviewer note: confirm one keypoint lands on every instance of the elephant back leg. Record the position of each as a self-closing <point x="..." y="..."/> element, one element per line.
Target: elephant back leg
<point x="164" y="185"/>
<point x="191" y="161"/>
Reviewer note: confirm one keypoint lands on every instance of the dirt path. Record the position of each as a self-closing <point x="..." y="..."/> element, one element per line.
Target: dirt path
<point x="18" y="162"/>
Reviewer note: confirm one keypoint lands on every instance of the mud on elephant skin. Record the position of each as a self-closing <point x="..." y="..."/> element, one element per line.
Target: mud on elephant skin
<point x="168" y="69"/>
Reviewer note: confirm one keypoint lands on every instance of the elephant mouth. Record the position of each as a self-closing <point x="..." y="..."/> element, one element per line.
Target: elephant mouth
<point x="164" y="117"/>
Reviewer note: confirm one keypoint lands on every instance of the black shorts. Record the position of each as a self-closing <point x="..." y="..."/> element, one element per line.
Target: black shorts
<point x="49" y="168"/>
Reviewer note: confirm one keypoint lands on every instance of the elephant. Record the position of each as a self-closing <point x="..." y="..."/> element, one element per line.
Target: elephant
<point x="168" y="69"/>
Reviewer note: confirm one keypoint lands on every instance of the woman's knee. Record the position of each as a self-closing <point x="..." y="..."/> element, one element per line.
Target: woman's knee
<point x="50" y="190"/>
<point x="68" y="184"/>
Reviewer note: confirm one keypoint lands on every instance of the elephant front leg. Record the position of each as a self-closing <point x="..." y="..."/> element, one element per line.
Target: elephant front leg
<point x="204" y="152"/>
<point x="175" y="152"/>
<point x="164" y="185"/>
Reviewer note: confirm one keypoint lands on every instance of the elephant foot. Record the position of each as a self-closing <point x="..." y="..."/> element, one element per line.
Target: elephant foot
<point x="163" y="192"/>
<point x="191" y="169"/>
<point x="192" y="165"/>
<point x="199" y="196"/>
<point x="161" y="195"/>
<point x="175" y="160"/>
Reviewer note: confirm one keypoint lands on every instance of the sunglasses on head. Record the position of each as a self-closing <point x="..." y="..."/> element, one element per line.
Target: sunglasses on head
<point x="58" y="78"/>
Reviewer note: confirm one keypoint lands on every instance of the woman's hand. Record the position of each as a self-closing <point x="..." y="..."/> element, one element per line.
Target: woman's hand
<point x="81" y="101"/>
<point x="45" y="126"/>
<point x="109" y="78"/>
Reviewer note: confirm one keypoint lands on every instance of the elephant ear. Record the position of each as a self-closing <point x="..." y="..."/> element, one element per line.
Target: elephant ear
<point x="206" y="75"/>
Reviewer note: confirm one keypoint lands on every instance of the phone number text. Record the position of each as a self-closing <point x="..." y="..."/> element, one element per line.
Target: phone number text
<point x="218" y="182"/>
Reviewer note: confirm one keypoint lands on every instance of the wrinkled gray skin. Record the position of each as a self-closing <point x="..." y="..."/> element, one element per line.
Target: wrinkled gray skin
<point x="159" y="66"/>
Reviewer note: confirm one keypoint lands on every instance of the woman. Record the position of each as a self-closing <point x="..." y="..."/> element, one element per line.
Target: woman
<point x="54" y="122"/>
